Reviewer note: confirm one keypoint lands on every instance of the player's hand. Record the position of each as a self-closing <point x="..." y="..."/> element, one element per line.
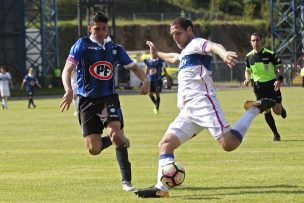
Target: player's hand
<point x="153" y="49"/>
<point x="230" y="58"/>
<point x="145" y="88"/>
<point x="66" y="100"/>
<point x="246" y="82"/>
<point x="277" y="85"/>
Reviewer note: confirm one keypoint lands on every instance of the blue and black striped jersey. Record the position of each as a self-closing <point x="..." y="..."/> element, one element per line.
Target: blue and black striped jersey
<point x="96" y="66"/>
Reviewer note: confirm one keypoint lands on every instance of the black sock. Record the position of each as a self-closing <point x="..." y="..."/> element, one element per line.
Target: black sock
<point x="153" y="99"/>
<point x="123" y="161"/>
<point x="32" y="102"/>
<point x="157" y="102"/>
<point x="271" y="123"/>
<point x="106" y="142"/>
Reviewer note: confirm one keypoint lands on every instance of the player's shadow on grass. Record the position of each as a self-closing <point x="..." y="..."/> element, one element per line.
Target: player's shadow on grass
<point x="219" y="192"/>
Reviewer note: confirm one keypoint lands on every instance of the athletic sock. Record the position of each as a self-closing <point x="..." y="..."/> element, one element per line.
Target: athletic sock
<point x="271" y="123"/>
<point x="157" y="102"/>
<point x="123" y="161"/>
<point x="105" y="142"/>
<point x="29" y="103"/>
<point x="164" y="159"/>
<point x="3" y="103"/>
<point x="240" y="128"/>
<point x="153" y="99"/>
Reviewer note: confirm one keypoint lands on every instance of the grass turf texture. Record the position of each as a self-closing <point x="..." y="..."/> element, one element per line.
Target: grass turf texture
<point x="43" y="156"/>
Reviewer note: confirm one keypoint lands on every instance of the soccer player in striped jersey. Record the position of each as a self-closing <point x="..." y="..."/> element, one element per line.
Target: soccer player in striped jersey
<point x="154" y="69"/>
<point x="95" y="58"/>
<point x="199" y="107"/>
<point x="30" y="81"/>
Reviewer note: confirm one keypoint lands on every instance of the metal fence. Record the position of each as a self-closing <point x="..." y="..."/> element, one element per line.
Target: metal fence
<point x="165" y="16"/>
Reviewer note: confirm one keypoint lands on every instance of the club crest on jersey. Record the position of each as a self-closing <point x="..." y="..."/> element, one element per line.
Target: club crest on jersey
<point x="102" y="70"/>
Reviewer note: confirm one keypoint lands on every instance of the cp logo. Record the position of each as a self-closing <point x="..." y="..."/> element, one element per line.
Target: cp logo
<point x="102" y="70"/>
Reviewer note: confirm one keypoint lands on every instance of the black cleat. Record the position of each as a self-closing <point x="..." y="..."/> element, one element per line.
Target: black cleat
<point x="264" y="104"/>
<point x="283" y="113"/>
<point x="151" y="192"/>
<point x="276" y="138"/>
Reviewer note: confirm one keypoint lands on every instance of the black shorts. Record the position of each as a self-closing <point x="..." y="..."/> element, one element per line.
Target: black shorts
<point x="156" y="86"/>
<point x="30" y="93"/>
<point x="95" y="113"/>
<point x="266" y="90"/>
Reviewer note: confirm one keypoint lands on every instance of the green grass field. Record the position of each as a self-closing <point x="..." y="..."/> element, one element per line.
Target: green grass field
<point x="43" y="157"/>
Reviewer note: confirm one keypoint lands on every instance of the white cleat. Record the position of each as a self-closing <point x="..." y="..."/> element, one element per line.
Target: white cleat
<point x="127" y="186"/>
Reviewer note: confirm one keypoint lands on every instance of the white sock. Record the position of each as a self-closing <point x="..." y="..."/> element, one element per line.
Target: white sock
<point x="4" y="103"/>
<point x="164" y="159"/>
<point x="242" y="125"/>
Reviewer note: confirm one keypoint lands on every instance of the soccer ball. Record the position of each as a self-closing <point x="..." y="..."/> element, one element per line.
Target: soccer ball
<point x="173" y="174"/>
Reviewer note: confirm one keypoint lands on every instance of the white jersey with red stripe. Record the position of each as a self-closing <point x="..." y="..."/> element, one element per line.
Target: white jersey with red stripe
<point x="197" y="100"/>
<point x="195" y="72"/>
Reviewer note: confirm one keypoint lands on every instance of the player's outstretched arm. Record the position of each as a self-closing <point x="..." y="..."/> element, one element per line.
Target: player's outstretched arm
<point x="66" y="81"/>
<point x="22" y="85"/>
<point x="229" y="57"/>
<point x="168" y="57"/>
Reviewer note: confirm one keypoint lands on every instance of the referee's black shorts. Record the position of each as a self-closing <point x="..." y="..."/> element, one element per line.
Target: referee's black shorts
<point x="266" y="90"/>
<point x="95" y="113"/>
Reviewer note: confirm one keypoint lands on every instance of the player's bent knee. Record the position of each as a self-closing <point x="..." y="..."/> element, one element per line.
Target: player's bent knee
<point x="117" y="139"/>
<point x="228" y="148"/>
<point x="228" y="142"/>
<point x="94" y="151"/>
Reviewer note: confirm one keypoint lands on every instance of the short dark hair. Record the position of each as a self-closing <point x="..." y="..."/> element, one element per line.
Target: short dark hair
<point x="99" y="17"/>
<point x="183" y="22"/>
<point x="257" y="34"/>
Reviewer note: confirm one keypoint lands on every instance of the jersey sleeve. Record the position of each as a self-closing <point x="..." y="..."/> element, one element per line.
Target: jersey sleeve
<point x="124" y="58"/>
<point x="9" y="76"/>
<point x="247" y="64"/>
<point x="76" y="52"/>
<point x="200" y="45"/>
<point x="276" y="60"/>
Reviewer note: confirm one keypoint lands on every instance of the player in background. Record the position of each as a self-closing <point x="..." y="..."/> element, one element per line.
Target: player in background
<point x="266" y="70"/>
<point x="199" y="107"/>
<point x="30" y="81"/>
<point x="5" y="82"/>
<point x="95" y="57"/>
<point x="154" y="67"/>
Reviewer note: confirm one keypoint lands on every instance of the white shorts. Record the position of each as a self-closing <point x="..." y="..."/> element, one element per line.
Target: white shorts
<point x="5" y="91"/>
<point x="196" y="115"/>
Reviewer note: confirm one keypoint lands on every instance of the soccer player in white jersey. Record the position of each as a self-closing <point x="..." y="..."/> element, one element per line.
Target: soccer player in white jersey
<point x="5" y="81"/>
<point x="199" y="107"/>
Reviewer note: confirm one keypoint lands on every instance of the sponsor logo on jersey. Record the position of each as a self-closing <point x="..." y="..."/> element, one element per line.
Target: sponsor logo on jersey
<point x="102" y="70"/>
<point x="95" y="48"/>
